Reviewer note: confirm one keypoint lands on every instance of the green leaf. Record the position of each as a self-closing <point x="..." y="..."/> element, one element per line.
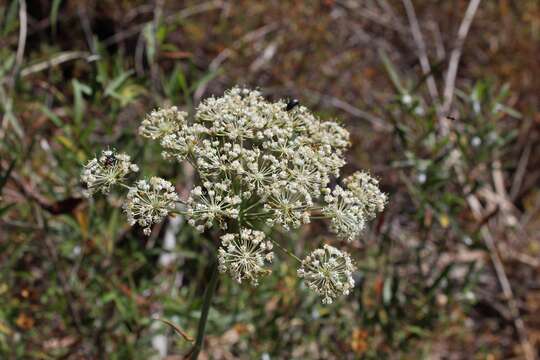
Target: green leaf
<point x="148" y="34"/>
<point x="54" y="14"/>
<point x="79" y="105"/>
<point x="390" y="69"/>
<point x="387" y="291"/>
<point x="442" y="275"/>
<point x="4" y="209"/>
<point x="11" y="19"/>
<point x="114" y="85"/>
<point x="52" y="116"/>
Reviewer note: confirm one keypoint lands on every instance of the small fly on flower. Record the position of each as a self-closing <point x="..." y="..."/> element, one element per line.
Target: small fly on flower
<point x="291" y="104"/>
<point x="110" y="160"/>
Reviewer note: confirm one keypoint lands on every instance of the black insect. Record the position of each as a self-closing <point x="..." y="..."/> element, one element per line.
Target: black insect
<point x="451" y="118"/>
<point x="110" y="160"/>
<point x="291" y="104"/>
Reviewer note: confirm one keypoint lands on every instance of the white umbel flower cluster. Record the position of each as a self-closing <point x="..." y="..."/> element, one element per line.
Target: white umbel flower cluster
<point x="259" y="164"/>
<point x="109" y="169"/>
<point x="148" y="202"/>
<point x="212" y="203"/>
<point x="162" y="122"/>
<point x="328" y="271"/>
<point x="244" y="255"/>
<point x="346" y="213"/>
<point x="366" y="189"/>
<point x="350" y="208"/>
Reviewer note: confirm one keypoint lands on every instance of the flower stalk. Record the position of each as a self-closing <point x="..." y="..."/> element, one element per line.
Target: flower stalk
<point x="206" y="305"/>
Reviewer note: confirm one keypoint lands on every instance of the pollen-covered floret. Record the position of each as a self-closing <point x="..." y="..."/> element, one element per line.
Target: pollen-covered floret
<point x="162" y="122"/>
<point x="148" y="202"/>
<point x="244" y="255"/>
<point x="328" y="271"/>
<point x="111" y="168"/>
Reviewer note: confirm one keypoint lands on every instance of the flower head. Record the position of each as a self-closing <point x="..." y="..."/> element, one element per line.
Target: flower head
<point x="162" y="122"/>
<point x="258" y="162"/>
<point x="99" y="174"/>
<point x="350" y="208"/>
<point x="346" y="213"/>
<point x="212" y="203"/>
<point x="328" y="272"/>
<point x="148" y="202"/>
<point x="182" y="143"/>
<point x="261" y="154"/>
<point x="287" y="206"/>
<point x="366" y="189"/>
<point x="244" y="255"/>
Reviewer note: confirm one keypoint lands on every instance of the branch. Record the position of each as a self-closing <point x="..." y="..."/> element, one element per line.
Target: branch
<point x="23" y="28"/>
<point x="207" y="303"/>
<point x="455" y="56"/>
<point x="57" y="60"/>
<point x="422" y="53"/>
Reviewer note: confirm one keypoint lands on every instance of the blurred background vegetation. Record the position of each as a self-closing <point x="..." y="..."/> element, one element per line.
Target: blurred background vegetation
<point x="450" y="270"/>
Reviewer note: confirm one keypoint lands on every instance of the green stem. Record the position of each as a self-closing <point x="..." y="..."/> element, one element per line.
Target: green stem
<point x="286" y="251"/>
<point x="207" y="302"/>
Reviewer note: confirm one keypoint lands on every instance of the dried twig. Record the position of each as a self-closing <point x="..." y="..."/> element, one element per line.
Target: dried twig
<point x="351" y="110"/>
<point x="178" y="329"/>
<point x="521" y="170"/>
<point x="227" y="52"/>
<point x="422" y="53"/>
<point x="57" y="60"/>
<point x="519" y="324"/>
<point x="86" y="27"/>
<point x="23" y="28"/>
<point x="455" y="56"/>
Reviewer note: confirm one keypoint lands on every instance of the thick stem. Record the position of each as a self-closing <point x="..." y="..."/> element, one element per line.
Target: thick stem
<point x="207" y="302"/>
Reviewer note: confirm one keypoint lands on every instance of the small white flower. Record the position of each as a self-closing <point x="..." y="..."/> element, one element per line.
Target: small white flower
<point x="406" y="99"/>
<point x="476" y="141"/>
<point x="111" y="168"/>
<point x="149" y="202"/>
<point x="328" y="271"/>
<point x="244" y="255"/>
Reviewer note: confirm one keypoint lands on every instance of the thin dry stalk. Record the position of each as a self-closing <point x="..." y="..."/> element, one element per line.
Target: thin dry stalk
<point x="422" y="53"/>
<point x="455" y="55"/>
